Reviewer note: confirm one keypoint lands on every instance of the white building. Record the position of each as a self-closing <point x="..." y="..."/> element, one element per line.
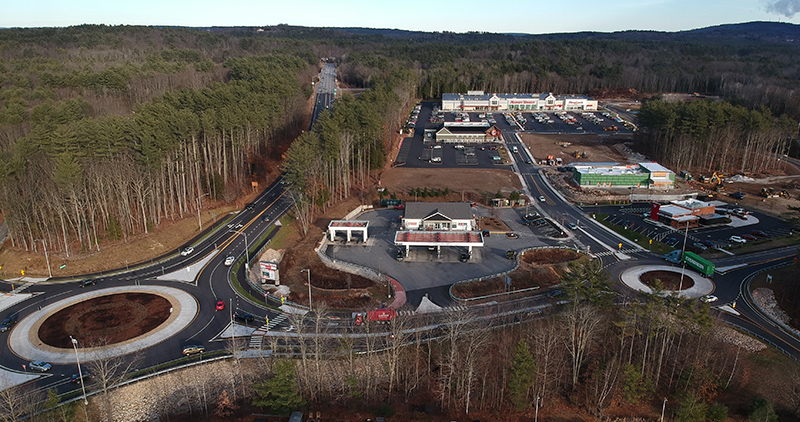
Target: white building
<point x="439" y="216"/>
<point x="478" y="100"/>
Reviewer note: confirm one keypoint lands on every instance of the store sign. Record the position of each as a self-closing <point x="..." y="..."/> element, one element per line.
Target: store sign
<point x="269" y="270"/>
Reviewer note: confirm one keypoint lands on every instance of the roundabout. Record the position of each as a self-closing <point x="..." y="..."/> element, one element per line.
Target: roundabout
<point x="697" y="286"/>
<point x="106" y="322"/>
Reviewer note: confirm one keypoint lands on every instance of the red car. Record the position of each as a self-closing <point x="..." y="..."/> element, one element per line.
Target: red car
<point x="220" y="305"/>
<point x="400" y="207"/>
<point x="748" y="237"/>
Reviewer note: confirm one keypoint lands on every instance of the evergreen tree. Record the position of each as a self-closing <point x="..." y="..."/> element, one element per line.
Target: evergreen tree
<point x="762" y="411"/>
<point x="279" y="393"/>
<point x="523" y="376"/>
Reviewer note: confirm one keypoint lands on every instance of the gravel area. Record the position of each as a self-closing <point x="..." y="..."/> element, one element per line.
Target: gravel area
<point x="731" y="336"/>
<point x="765" y="300"/>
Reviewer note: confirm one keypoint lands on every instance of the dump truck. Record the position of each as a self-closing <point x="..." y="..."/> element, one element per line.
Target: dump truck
<point x="381" y="316"/>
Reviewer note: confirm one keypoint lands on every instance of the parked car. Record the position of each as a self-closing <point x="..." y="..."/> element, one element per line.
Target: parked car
<point x="40" y="366"/>
<point x="709" y="298"/>
<point x="88" y="282"/>
<point x="193" y="350"/>
<point x="555" y="293"/>
<point x="758" y="233"/>
<point x="8" y="322"/>
<point x="187" y="251"/>
<point x="737" y="239"/>
<point x="708" y="243"/>
<point x="748" y="237"/>
<point x="399" y="256"/>
<point x="399" y="207"/>
<point x="512" y="235"/>
<point x="229" y="260"/>
<point x="700" y="246"/>
<point x="671" y="241"/>
<point x="738" y="195"/>
<point x="220" y="305"/>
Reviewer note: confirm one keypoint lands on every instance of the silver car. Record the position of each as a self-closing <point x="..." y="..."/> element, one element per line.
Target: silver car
<point x="229" y="260"/>
<point x="40" y="366"/>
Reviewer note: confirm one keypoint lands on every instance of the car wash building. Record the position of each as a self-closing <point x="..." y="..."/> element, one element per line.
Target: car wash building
<point x="465" y="133"/>
<point x="609" y="175"/>
<point x="480" y="101"/>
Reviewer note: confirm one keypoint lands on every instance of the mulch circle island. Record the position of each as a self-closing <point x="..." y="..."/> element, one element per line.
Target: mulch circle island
<point x="670" y="280"/>
<point x="105" y="320"/>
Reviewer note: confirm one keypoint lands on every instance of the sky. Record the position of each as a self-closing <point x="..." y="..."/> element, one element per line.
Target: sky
<point x="505" y="16"/>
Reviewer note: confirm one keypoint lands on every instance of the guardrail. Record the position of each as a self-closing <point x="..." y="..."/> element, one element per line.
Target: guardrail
<point x="791" y="331"/>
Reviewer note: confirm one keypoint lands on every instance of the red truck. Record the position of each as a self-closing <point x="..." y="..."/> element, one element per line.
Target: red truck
<point x="383" y="315"/>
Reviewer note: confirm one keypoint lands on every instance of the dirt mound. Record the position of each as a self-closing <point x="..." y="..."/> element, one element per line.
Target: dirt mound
<point x="549" y="256"/>
<point x="105" y="320"/>
<point x="670" y="280"/>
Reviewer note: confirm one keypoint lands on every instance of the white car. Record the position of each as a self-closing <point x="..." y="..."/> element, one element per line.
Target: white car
<point x="709" y="298"/>
<point x="40" y="366"/>
<point x="737" y="239"/>
<point x="187" y="251"/>
<point x="541" y="198"/>
<point x="229" y="260"/>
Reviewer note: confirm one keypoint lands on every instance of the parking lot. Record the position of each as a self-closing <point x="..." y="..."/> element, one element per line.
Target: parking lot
<point x="421" y="150"/>
<point x="751" y="227"/>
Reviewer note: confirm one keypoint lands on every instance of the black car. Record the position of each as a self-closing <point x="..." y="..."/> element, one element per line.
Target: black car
<point x="243" y="317"/>
<point x="738" y="195"/>
<point x="671" y="241"/>
<point x="708" y="243"/>
<point x="88" y="282"/>
<point x="76" y="378"/>
<point x="8" y="323"/>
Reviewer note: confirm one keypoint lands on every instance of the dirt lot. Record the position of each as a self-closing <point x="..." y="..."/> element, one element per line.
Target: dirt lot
<point x="475" y="184"/>
<point x="598" y="149"/>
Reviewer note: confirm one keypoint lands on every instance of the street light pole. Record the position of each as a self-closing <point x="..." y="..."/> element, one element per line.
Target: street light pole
<point x="308" y="272"/>
<point x="80" y="372"/>
<point x="663" y="406"/>
<point x="246" y="251"/>
<point x="46" y="257"/>
<point x="536" y="417"/>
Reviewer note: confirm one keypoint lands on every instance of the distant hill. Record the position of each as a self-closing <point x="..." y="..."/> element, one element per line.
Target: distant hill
<point x="774" y="32"/>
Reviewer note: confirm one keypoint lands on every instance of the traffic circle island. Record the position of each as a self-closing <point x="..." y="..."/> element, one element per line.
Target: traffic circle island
<point x="699" y="285"/>
<point x="106" y="323"/>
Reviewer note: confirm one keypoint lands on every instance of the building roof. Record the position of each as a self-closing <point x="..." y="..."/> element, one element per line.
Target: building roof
<point x="691" y="204"/>
<point x="452" y="210"/>
<point x="609" y="169"/>
<point x="464" y="130"/>
<point x="486" y="97"/>
<point x="655" y="167"/>
<point x="348" y="223"/>
<point x="673" y="211"/>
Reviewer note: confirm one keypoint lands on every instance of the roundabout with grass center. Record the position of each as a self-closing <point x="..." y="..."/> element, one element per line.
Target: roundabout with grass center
<point x="106" y="322"/>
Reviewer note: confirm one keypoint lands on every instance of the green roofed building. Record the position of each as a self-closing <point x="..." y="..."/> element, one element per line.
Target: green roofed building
<point x="609" y="175"/>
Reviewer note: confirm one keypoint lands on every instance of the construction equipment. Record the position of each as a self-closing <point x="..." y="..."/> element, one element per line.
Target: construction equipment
<point x="784" y="194"/>
<point x="769" y="193"/>
<point x="579" y="154"/>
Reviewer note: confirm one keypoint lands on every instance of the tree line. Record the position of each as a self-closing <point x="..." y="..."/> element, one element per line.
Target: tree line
<point x="587" y="354"/>
<point x="348" y="141"/>
<point x="714" y="135"/>
<point x="75" y="180"/>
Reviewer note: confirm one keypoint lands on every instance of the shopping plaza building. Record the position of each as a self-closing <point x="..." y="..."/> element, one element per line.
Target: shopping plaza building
<point x="480" y="101"/>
